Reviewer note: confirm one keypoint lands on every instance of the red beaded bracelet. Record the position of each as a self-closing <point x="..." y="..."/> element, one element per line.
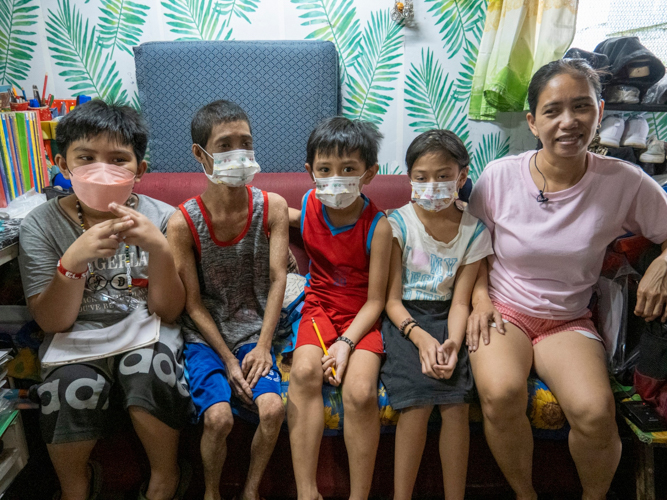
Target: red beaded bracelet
<point x="69" y="274"/>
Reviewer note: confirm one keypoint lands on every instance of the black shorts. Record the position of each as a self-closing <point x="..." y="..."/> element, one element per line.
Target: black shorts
<point x="75" y="398"/>
<point x="401" y="372"/>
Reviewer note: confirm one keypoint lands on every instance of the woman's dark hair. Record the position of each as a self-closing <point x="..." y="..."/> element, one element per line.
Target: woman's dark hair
<point x="122" y="124"/>
<point x="443" y="142"/>
<point x="212" y="114"/>
<point x="578" y="68"/>
<point x="341" y="136"/>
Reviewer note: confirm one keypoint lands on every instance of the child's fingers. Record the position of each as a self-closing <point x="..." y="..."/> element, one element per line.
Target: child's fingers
<point x="114" y="226"/>
<point x="266" y="370"/>
<point x="427" y="368"/>
<point x="240" y="390"/>
<point x="440" y="355"/>
<point x="247" y="391"/>
<point x="122" y="210"/>
<point x="254" y="376"/>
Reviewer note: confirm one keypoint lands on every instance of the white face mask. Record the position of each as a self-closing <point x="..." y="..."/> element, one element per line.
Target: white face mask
<point x="234" y="168"/>
<point x="338" y="191"/>
<point x="434" y="196"/>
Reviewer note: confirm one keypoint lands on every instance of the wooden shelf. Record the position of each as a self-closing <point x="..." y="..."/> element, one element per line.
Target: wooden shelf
<point x="9" y="253"/>
<point x="649" y="108"/>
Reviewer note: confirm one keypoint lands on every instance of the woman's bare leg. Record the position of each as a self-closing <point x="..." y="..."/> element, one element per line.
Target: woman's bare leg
<point x="574" y="368"/>
<point x="501" y="371"/>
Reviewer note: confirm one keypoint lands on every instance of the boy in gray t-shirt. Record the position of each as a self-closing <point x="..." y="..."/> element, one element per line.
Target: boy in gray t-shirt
<point x="86" y="260"/>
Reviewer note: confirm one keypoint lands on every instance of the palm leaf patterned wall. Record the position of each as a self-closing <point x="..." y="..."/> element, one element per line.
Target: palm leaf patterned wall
<point x="17" y="39"/>
<point x="206" y="19"/>
<point x="404" y="79"/>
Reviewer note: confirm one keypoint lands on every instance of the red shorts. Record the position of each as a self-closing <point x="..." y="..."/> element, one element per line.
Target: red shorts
<point x="537" y="329"/>
<point x="332" y="324"/>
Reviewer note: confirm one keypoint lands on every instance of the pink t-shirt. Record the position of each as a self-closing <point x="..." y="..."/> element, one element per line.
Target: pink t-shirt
<point x="549" y="255"/>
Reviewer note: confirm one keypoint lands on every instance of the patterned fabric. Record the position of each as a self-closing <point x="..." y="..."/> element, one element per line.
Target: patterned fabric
<point x="286" y="87"/>
<point x="537" y="329"/>
<point x="546" y="416"/>
<point x="9" y="232"/>
<point x="519" y="38"/>
<point x="234" y="276"/>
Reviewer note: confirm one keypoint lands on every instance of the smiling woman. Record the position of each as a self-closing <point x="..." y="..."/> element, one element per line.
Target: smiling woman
<point x="552" y="213"/>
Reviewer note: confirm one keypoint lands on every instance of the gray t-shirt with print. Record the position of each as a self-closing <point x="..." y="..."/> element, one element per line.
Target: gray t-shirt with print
<point x="47" y="232"/>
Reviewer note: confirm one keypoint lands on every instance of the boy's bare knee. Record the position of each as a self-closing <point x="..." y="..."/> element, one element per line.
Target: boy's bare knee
<point x="218" y="421"/>
<point x="272" y="412"/>
<point x="307" y="376"/>
<point x="359" y="397"/>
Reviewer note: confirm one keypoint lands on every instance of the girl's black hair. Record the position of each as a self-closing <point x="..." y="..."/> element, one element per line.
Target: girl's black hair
<point x="211" y="115"/>
<point x="578" y="68"/>
<point x="340" y="136"/>
<point x="121" y="124"/>
<point x="444" y="142"/>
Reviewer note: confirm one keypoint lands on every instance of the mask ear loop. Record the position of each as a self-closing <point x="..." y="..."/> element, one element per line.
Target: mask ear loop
<point x="202" y="164"/>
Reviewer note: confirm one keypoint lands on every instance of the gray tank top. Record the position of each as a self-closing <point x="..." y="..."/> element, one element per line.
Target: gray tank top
<point x="233" y="275"/>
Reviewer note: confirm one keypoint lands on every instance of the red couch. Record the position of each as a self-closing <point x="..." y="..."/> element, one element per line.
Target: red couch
<point x="553" y="467"/>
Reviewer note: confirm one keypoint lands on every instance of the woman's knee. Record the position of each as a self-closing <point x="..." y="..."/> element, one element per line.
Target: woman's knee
<point x="218" y="421"/>
<point x="594" y="417"/>
<point x="503" y="401"/>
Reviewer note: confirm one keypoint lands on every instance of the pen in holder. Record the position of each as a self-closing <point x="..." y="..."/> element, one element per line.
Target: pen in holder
<point x="43" y="111"/>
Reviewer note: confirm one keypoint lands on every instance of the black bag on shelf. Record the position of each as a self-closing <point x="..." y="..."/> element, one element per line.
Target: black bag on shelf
<point x="627" y="56"/>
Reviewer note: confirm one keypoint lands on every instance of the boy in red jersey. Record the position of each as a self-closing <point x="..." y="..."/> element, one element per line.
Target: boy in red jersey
<point x="348" y="241"/>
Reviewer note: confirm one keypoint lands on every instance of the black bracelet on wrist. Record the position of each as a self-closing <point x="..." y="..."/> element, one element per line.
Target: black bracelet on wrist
<point x="411" y="327"/>
<point x="407" y="321"/>
<point x="346" y="340"/>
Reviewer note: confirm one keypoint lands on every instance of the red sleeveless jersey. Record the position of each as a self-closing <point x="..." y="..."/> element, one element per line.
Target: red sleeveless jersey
<point x="339" y="256"/>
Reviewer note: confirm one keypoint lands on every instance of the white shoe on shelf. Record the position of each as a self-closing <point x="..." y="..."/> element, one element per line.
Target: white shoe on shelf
<point x="635" y="133"/>
<point x="611" y="130"/>
<point x="655" y="153"/>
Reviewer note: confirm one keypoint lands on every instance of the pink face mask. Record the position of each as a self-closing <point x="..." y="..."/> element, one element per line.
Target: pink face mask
<point x="99" y="184"/>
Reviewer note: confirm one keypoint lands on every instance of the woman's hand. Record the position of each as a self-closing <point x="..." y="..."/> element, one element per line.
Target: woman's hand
<point x="339" y="354"/>
<point x="652" y="291"/>
<point x="482" y="315"/>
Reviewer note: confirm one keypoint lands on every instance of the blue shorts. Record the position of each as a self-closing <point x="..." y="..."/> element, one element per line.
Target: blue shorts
<point x="207" y="376"/>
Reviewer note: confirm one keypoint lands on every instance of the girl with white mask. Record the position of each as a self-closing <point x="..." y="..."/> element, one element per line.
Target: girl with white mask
<point x="436" y="253"/>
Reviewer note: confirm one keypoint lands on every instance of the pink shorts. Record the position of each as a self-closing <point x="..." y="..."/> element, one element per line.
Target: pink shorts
<point x="537" y="329"/>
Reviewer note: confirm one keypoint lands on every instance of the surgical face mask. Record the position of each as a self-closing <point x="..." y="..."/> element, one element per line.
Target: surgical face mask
<point x="234" y="168"/>
<point x="338" y="191"/>
<point x="99" y="184"/>
<point x="434" y="196"/>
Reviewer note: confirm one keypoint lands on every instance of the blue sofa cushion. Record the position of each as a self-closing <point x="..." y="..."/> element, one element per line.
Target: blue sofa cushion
<point x="286" y="87"/>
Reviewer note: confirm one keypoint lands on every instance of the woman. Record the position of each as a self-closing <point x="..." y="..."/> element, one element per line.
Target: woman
<point x="552" y="214"/>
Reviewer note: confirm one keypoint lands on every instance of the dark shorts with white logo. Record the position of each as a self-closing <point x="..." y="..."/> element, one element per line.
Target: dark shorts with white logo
<point x="76" y="400"/>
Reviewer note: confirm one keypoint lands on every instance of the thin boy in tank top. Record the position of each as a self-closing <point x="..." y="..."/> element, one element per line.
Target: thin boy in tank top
<point x="230" y="247"/>
<point x="348" y="241"/>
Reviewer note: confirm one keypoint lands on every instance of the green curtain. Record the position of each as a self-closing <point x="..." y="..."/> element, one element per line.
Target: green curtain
<point x="520" y="36"/>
